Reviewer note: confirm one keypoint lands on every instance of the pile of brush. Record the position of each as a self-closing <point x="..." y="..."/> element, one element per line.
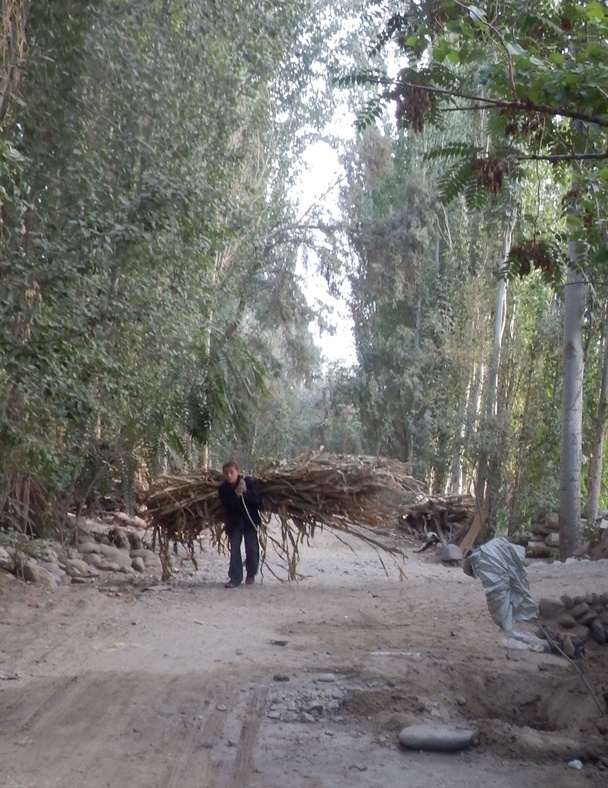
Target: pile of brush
<point x="347" y="494"/>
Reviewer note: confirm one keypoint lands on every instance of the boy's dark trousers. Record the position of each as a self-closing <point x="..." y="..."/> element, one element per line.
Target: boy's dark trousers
<point x="252" y="554"/>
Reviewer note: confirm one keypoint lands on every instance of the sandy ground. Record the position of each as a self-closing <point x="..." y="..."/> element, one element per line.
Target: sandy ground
<point x="189" y="684"/>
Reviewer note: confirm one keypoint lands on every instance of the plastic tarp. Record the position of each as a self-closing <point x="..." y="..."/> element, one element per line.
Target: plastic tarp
<point x="500" y="567"/>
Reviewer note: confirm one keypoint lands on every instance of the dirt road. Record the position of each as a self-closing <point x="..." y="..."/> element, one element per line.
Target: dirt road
<point x="273" y="685"/>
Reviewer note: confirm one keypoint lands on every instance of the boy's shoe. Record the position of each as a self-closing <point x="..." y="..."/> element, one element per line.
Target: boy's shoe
<point x="230" y="584"/>
<point x="249" y="581"/>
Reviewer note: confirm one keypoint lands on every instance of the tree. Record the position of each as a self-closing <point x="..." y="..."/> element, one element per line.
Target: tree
<point x="597" y="438"/>
<point x="145" y="167"/>
<point x="539" y="71"/>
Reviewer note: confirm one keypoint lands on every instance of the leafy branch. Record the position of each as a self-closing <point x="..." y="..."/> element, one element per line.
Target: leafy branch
<point x="518" y="105"/>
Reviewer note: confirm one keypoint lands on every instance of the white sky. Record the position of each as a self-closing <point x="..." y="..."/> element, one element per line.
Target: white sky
<point x="322" y="172"/>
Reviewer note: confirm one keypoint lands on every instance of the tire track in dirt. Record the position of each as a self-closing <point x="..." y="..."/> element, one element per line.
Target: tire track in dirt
<point x="187" y="705"/>
<point x="116" y="729"/>
<point x="22" y="717"/>
<point x="253" y="716"/>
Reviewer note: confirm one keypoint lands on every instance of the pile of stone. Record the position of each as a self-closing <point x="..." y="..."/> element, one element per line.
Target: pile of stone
<point x="98" y="549"/>
<point x="322" y="699"/>
<point x="544" y="539"/>
<point x="573" y="620"/>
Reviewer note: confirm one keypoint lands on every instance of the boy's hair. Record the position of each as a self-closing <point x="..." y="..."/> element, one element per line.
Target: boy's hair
<point x="230" y="464"/>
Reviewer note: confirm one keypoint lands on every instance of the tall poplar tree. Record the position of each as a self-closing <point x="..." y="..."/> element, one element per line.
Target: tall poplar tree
<point x="538" y="69"/>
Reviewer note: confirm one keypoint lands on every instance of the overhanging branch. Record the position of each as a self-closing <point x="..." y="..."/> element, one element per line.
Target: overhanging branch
<point x="518" y="106"/>
<point x="565" y="156"/>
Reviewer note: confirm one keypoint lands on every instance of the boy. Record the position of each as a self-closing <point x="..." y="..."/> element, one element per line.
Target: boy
<point x="241" y="502"/>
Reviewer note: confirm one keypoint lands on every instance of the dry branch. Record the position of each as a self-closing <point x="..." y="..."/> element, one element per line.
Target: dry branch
<point x="449" y="517"/>
<point x="347" y="494"/>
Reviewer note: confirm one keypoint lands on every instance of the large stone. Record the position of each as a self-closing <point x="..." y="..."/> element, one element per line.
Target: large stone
<point x="587" y="618"/>
<point x="115" y="555"/>
<point x="567" y="600"/>
<point x="150" y="558"/>
<point x="84" y="548"/>
<point x="37" y="574"/>
<point x="119" y="538"/>
<point x="581" y="632"/>
<point x="566" y="621"/>
<point x="579" y="609"/>
<point x="110" y="566"/>
<point x="138" y="564"/>
<point x="92" y="559"/>
<point x="75" y="567"/>
<point x="552" y="539"/>
<point x="598" y="633"/>
<point x="550" y="608"/>
<point x="438" y="738"/>
<point x="54" y="569"/>
<point x="451" y="552"/>
<point x="20" y="560"/>
<point x="568" y="647"/>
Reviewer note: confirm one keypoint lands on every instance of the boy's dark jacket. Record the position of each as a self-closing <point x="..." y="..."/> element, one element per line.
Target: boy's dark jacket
<point x="235" y="514"/>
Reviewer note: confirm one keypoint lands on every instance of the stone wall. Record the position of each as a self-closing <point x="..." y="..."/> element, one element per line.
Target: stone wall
<point x="574" y="620"/>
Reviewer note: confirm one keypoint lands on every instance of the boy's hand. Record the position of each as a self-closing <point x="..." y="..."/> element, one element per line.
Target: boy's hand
<point x="241" y="487"/>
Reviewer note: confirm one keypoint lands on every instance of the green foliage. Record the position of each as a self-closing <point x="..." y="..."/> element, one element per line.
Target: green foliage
<point x="143" y="173"/>
<point x="537" y="71"/>
<point x="530" y="80"/>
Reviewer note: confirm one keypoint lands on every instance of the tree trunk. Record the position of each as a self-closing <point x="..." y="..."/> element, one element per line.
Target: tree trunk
<point x="491" y="398"/>
<point x="500" y="315"/>
<point x="14" y="17"/>
<point x="572" y="413"/>
<point x="595" y="470"/>
<point x="455" y="482"/>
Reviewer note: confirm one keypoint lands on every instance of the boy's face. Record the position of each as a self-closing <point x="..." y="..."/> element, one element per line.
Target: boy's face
<point x="231" y="474"/>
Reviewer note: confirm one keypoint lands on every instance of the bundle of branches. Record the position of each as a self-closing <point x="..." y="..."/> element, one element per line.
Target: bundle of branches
<point x="347" y="494"/>
<point x="448" y="517"/>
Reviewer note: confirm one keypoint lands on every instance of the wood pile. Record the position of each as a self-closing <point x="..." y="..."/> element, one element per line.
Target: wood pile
<point x="449" y="518"/>
<point x="544" y="538"/>
<point x="347" y="494"/>
<point x="543" y="541"/>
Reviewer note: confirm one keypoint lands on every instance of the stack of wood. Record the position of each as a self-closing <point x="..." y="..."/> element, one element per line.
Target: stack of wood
<point x="544" y="538"/>
<point x="348" y="494"/>
<point x="449" y="518"/>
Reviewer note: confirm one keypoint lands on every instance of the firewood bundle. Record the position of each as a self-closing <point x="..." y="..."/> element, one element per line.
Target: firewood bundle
<point x="347" y="494"/>
<point x="449" y="518"/>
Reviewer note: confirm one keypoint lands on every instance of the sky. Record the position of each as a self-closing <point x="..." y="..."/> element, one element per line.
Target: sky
<point x="322" y="170"/>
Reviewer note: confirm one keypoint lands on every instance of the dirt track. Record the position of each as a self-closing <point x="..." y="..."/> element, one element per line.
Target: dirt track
<point x="174" y="685"/>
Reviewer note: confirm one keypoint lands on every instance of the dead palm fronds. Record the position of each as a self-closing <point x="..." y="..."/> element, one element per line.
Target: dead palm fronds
<point x="347" y="494"/>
